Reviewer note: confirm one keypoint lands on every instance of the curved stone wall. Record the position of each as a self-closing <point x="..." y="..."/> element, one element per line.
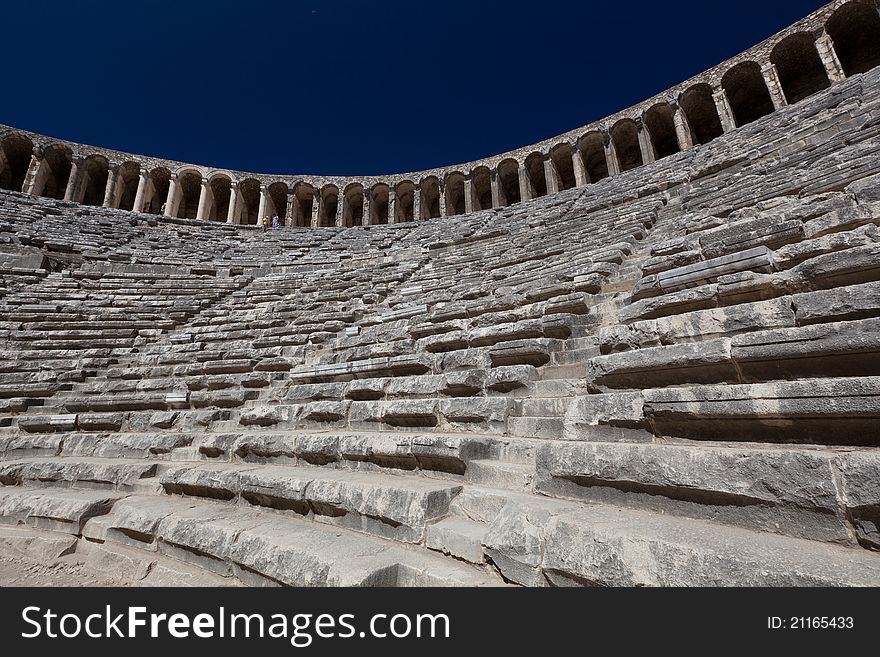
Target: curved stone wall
<point x="839" y="40"/>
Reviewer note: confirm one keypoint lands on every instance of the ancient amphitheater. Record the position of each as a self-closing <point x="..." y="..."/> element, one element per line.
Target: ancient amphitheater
<point x="646" y="352"/>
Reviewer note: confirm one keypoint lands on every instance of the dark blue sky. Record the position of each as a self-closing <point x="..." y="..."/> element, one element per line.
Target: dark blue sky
<point x="353" y="86"/>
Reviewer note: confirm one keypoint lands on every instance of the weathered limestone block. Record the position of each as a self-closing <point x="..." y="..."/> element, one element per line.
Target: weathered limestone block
<point x="829" y="411"/>
<point x="597" y="417"/>
<point x="163" y="419"/>
<point x="861" y="482"/>
<point x="695" y="362"/>
<point x="599" y="545"/>
<point x="82" y="473"/>
<point x="414" y="386"/>
<point x="791" y="255"/>
<point x="836" y="349"/>
<point x="63" y="510"/>
<point x="100" y="421"/>
<point x="626" y="337"/>
<point x="660" y="263"/>
<point x="476" y="409"/>
<point x="852" y="302"/>
<point x="757" y="259"/>
<point x="674" y="303"/>
<point x="325" y="411"/>
<point x="314" y="392"/>
<point x="747" y="286"/>
<point x="464" y="383"/>
<point x="840" y="268"/>
<point x="465" y="360"/>
<point x="521" y="352"/>
<point x="401" y="412"/>
<point x="265" y="416"/>
<point x="744" y="235"/>
<point x="366" y="389"/>
<point x="719" y="322"/>
<point x="510" y="377"/>
<point x="792" y="492"/>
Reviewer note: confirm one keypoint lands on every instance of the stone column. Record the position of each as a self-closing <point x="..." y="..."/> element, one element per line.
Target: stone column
<point x="525" y="193"/>
<point x="171" y="199"/>
<point x="110" y="189"/>
<point x="264" y="204"/>
<point x="338" y="220"/>
<point x="289" y="215"/>
<point x="611" y="162"/>
<point x="682" y="129"/>
<point x="30" y="179"/>
<point x="231" y="214"/>
<point x="392" y="206"/>
<point x="468" y="196"/>
<point x="73" y="178"/>
<point x="316" y="207"/>
<point x="725" y="113"/>
<point x="496" y="192"/>
<point x="774" y="85"/>
<point x="204" y="196"/>
<point x="833" y="67"/>
<point x="442" y="201"/>
<point x="417" y="204"/>
<point x="580" y="171"/>
<point x="550" y="177"/>
<point x="645" y="145"/>
<point x="143" y="180"/>
<point x="366" y="217"/>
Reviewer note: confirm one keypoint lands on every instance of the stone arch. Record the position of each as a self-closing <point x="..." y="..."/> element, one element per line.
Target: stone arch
<point x="56" y="171"/>
<point x="157" y="190"/>
<point x="455" y="203"/>
<point x="249" y="201"/>
<point x="801" y="72"/>
<point x="221" y="196"/>
<point x="592" y="147"/>
<point x="658" y="121"/>
<point x="379" y="206"/>
<point x="625" y="135"/>
<point x="508" y="181"/>
<point x="95" y="169"/>
<point x="277" y="205"/>
<point x="534" y="165"/>
<point x="303" y="202"/>
<point x="404" y="194"/>
<point x="701" y="113"/>
<point x="16" y="151"/>
<point x="561" y="156"/>
<point x="481" y="188"/>
<point x="747" y="93"/>
<point x="189" y="191"/>
<point x="353" y="205"/>
<point x="429" y="188"/>
<point x="126" y="185"/>
<point x="855" y="31"/>
<point x="329" y="202"/>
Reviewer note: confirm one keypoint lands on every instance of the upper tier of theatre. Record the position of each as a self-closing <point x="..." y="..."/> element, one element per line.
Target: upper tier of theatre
<point x="840" y="40"/>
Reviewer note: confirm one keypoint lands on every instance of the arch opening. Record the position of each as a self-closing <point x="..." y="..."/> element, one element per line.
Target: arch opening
<point x="277" y="206"/>
<point x="353" y="205"/>
<point x="249" y="189"/>
<point x="747" y="93"/>
<point x="303" y="202"/>
<point x="405" y="201"/>
<point x="592" y="147"/>
<point x="801" y="72"/>
<point x="328" y="205"/>
<point x="430" y="193"/>
<point x="189" y="190"/>
<point x="535" y="169"/>
<point x="56" y="173"/>
<point x="855" y="31"/>
<point x="94" y="182"/>
<point x="659" y="123"/>
<point x="221" y="196"/>
<point x="508" y="180"/>
<point x="625" y="135"/>
<point x="701" y="113"/>
<point x="455" y="193"/>
<point x="126" y="185"/>
<point x="380" y="204"/>
<point x="157" y="191"/>
<point x="561" y="157"/>
<point x="481" y="188"/>
<point x="15" y="159"/>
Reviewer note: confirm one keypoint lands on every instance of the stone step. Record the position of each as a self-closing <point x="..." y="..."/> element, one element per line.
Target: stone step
<point x="543" y="407"/>
<point x="258" y="547"/>
<point x="62" y="510"/>
<point x="551" y="428"/>
<point x="392" y="506"/>
<point x="569" y="371"/>
<point x="457" y="537"/>
<point x="603" y="545"/>
<point x="518" y="477"/>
